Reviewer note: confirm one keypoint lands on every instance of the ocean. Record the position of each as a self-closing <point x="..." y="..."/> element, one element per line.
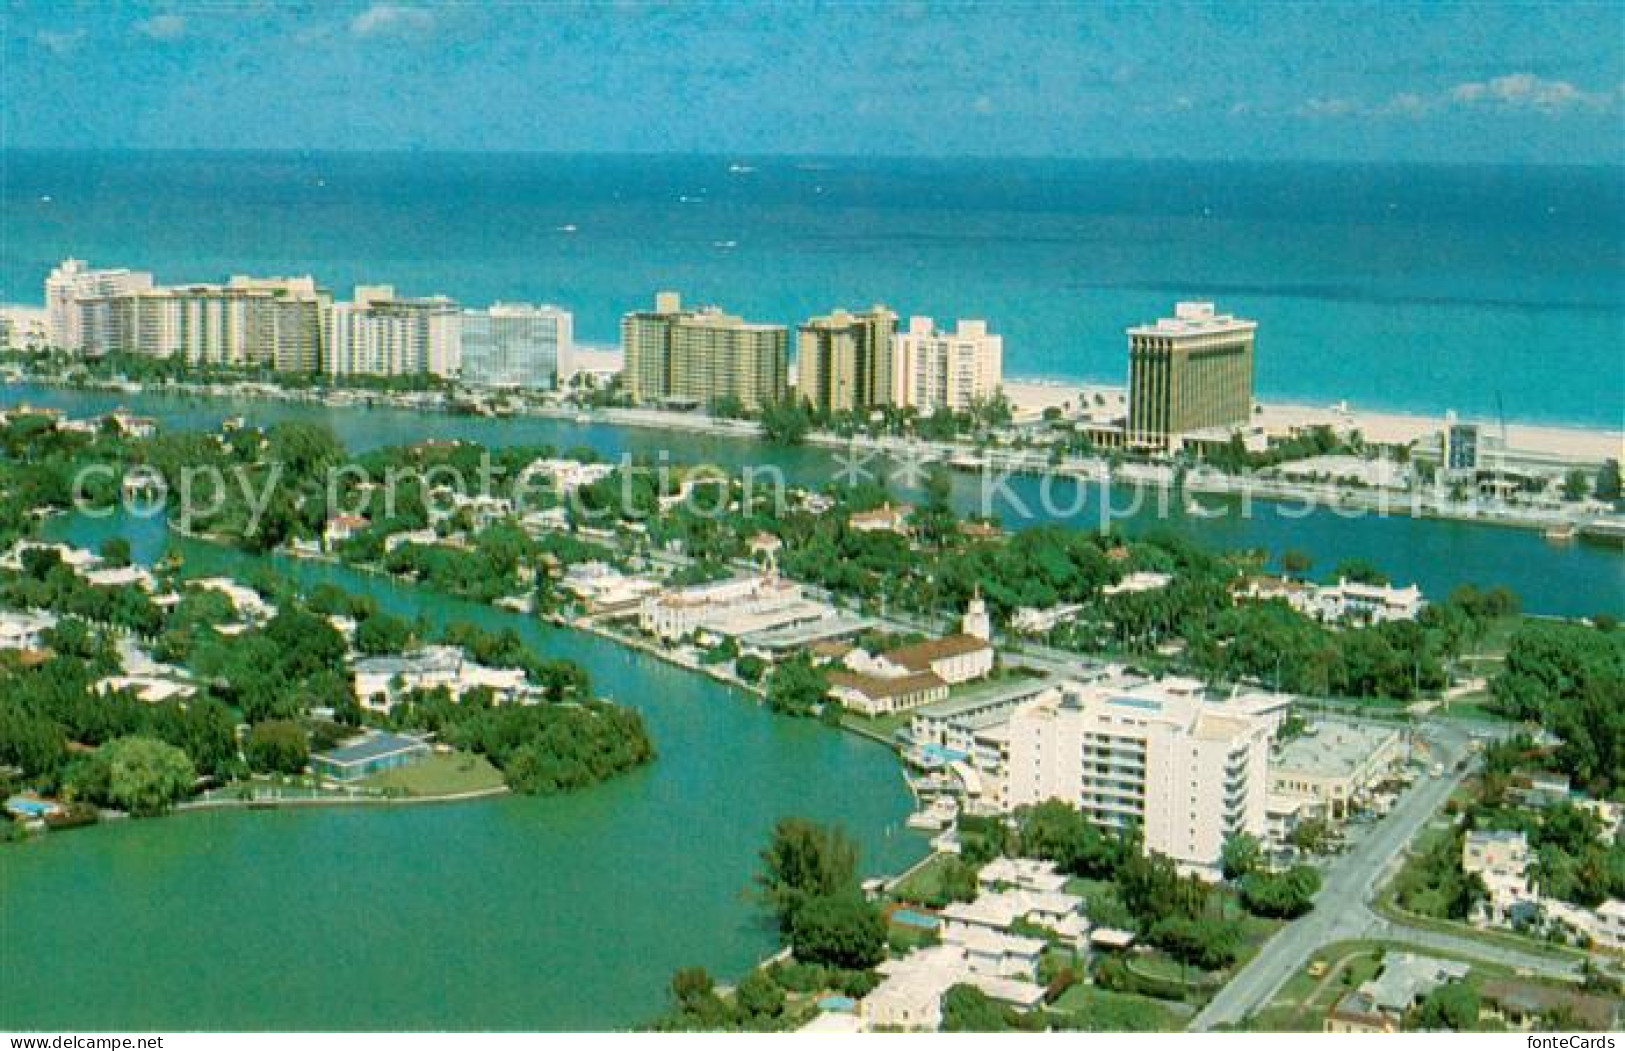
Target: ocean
<point x="1490" y="290"/>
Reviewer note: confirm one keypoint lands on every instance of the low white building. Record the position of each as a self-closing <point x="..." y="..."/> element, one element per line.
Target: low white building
<point x="752" y="602"/>
<point x="1137" y="583"/>
<point x="601" y="587"/>
<point x="910" y="994"/>
<point x="1351" y="602"/>
<point x="244" y="600"/>
<point x="1041" y="620"/>
<point x="1337" y="765"/>
<point x="379" y="682"/>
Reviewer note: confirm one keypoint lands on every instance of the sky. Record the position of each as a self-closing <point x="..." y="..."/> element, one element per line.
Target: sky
<point x="1397" y="81"/>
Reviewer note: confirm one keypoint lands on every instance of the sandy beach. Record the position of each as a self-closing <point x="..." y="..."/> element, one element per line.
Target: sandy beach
<point x="1587" y="445"/>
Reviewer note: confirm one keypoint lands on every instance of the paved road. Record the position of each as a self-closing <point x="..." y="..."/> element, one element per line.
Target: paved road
<point x="1343" y="908"/>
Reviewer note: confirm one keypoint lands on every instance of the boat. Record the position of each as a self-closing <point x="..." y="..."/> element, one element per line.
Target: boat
<point x="724" y="244"/>
<point x="967" y="461"/>
<point x="1561" y="533"/>
<point x="741" y="169"/>
<point x="567" y="228"/>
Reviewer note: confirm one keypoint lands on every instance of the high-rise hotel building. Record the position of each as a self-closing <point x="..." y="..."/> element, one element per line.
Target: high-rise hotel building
<point x="271" y="322"/>
<point x="382" y="334"/>
<point x="697" y="357"/>
<point x="934" y="369"/>
<point x="275" y="322"/>
<point x="844" y="361"/>
<point x="516" y="345"/>
<point x="1184" y="771"/>
<point x="1189" y="373"/>
<point x="79" y="304"/>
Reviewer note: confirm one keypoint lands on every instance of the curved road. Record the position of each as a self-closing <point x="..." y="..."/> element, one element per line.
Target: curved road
<point x="1344" y="910"/>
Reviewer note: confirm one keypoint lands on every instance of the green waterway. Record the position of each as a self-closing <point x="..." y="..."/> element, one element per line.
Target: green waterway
<point x="515" y="913"/>
<point x="1578" y="579"/>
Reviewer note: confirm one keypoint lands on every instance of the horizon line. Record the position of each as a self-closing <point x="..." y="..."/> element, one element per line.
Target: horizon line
<point x="452" y="151"/>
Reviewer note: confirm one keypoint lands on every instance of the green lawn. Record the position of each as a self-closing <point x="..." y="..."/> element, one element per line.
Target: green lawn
<point x="1089" y="1008"/>
<point x="439" y="774"/>
<point x="882" y="726"/>
<point x="925" y="882"/>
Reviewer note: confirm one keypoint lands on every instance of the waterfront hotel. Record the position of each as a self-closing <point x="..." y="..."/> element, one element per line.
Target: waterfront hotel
<point x="1190" y="375"/>
<point x="844" y="360"/>
<point x="679" y="357"/>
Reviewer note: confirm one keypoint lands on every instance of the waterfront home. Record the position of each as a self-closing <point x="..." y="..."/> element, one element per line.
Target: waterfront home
<point x="132" y="425"/>
<point x="728" y="608"/>
<point x="1021" y="874"/>
<point x="342" y="527"/>
<point x="244" y="600"/>
<point x="1346" y="602"/>
<point x="1138" y="583"/>
<point x="121" y="577"/>
<point x="75" y="558"/>
<point x="379" y="682"/>
<point x="910" y="994"/>
<point x="997" y="911"/>
<point x="368" y="755"/>
<point x="996" y="952"/>
<point x="887" y="518"/>
<point x="21" y="631"/>
<point x="422" y="537"/>
<point x="603" y="588"/>
<point x="1355" y="603"/>
<point x="562" y="476"/>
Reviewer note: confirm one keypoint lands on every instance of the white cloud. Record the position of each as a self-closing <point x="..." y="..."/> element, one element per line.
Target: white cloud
<point x="162" y="27"/>
<point x="1408" y="104"/>
<point x="60" y="43"/>
<point x="384" y="19"/>
<point x="1328" y="107"/>
<point x="1526" y="91"/>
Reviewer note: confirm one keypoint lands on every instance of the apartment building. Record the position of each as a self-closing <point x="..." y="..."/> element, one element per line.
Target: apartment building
<point x="844" y="360"/>
<point x="382" y="334"/>
<point x="79" y="303"/>
<point x="1186" y="771"/>
<point x="681" y="357"/>
<point x="933" y="369"/>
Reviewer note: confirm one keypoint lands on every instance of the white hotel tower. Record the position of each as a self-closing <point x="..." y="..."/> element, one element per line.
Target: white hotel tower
<point x="1188" y="772"/>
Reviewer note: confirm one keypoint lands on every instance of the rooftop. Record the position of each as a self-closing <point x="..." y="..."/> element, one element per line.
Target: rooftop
<point x="1334" y="748"/>
<point x="920" y="655"/>
<point x="375" y="746"/>
<point x="1194" y="319"/>
<point x="879" y="687"/>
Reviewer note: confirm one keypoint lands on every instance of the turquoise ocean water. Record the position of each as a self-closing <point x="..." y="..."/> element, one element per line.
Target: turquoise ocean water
<point x="1390" y="286"/>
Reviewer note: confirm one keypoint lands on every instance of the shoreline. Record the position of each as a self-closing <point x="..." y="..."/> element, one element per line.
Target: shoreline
<point x="1562" y="440"/>
<point x="1564" y="447"/>
<point x="1035" y="392"/>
